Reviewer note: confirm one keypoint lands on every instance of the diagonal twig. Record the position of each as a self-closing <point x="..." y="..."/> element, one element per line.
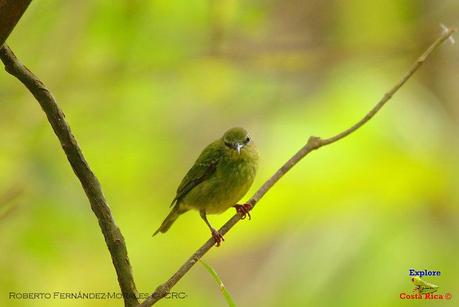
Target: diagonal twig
<point x="7" y="200"/>
<point x="10" y="13"/>
<point x="312" y="144"/>
<point x="112" y="234"/>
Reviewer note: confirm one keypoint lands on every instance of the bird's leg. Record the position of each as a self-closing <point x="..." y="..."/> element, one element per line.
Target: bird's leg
<point x="215" y="234"/>
<point x="244" y="210"/>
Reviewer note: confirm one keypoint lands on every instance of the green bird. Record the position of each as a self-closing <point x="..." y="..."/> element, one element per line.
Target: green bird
<point x="220" y="177"/>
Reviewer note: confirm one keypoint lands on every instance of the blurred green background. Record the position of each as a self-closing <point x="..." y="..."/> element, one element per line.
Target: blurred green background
<point x="145" y="85"/>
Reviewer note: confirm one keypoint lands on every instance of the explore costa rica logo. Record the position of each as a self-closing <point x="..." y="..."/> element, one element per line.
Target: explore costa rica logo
<point x="424" y="289"/>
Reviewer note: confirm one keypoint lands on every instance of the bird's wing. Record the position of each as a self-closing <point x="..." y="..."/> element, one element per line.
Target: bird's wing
<point x="204" y="167"/>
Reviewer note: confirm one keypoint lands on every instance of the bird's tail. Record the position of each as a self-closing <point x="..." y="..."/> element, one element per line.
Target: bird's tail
<point x="170" y="219"/>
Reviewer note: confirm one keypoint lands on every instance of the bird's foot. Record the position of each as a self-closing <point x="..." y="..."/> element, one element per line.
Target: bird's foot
<point x="217" y="236"/>
<point x="244" y="210"/>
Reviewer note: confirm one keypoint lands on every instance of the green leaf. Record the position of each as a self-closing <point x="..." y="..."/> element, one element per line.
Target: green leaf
<point x="223" y="289"/>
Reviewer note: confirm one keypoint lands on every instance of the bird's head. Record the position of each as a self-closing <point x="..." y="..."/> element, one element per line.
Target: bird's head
<point x="236" y="138"/>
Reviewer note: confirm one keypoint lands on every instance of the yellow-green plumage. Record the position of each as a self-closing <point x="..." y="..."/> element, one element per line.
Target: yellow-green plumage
<point x="219" y="178"/>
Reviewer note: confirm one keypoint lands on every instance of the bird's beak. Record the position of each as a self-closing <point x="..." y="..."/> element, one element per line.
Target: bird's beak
<point x="238" y="148"/>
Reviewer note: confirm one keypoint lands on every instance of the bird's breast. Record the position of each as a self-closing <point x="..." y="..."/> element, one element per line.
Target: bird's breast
<point x="229" y="184"/>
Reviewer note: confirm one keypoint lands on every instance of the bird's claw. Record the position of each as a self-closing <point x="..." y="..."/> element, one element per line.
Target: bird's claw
<point x="244" y="210"/>
<point x="217" y="237"/>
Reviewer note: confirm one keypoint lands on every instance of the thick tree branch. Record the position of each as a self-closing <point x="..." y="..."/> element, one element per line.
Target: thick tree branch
<point x="10" y="13"/>
<point x="312" y="144"/>
<point x="113" y="237"/>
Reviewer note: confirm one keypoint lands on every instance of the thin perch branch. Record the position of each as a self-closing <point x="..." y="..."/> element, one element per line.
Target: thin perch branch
<point x="312" y="144"/>
<point x="10" y="13"/>
<point x="113" y="237"/>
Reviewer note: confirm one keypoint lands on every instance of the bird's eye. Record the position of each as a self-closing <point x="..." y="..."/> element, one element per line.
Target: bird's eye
<point x="247" y="140"/>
